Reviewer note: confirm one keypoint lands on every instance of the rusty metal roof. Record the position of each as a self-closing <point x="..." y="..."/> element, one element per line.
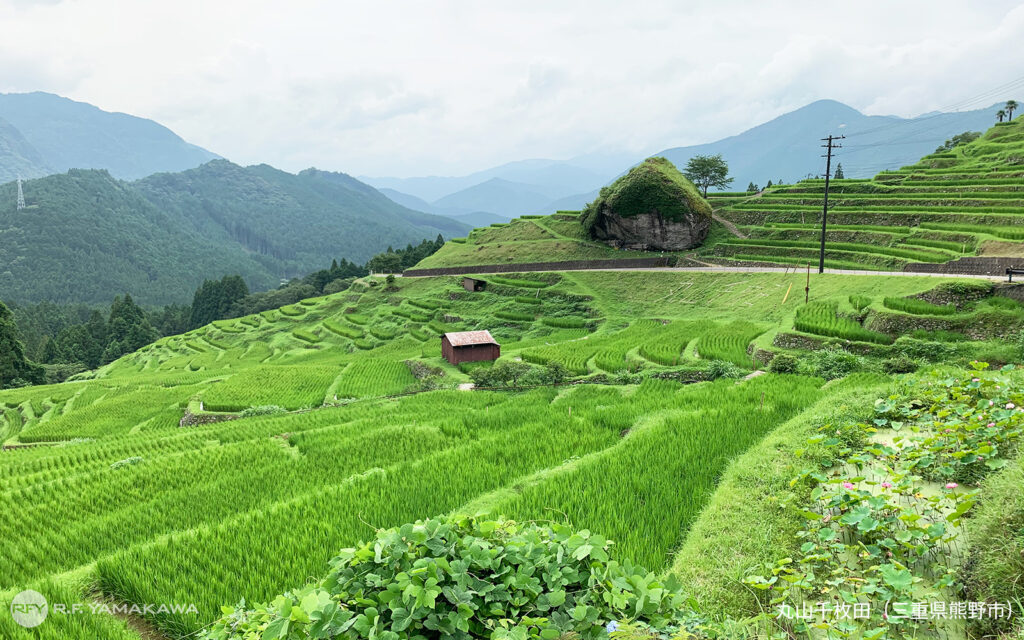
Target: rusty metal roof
<point x="469" y="338"/>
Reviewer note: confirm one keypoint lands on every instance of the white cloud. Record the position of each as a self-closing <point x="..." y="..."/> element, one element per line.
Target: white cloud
<point x="452" y="86"/>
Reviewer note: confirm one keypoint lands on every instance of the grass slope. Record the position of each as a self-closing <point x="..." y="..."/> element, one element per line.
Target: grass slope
<point x="122" y="497"/>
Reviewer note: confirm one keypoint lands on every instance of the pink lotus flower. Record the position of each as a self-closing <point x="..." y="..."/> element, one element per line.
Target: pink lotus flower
<point x="1010" y="405"/>
<point x="951" y="485"/>
<point x="887" y="485"/>
<point x="847" y="485"/>
<point x="991" y="403"/>
<point x="976" y="380"/>
<point x="980" y="458"/>
<point x="991" y="424"/>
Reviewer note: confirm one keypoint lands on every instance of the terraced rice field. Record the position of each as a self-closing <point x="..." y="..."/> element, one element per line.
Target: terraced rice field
<point x="946" y="206"/>
<point x="211" y="514"/>
<point x="234" y="461"/>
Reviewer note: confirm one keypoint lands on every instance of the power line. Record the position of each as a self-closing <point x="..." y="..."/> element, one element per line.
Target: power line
<point x="905" y="139"/>
<point x="956" y="106"/>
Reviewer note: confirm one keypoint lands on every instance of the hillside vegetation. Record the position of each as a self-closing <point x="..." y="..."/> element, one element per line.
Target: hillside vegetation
<point x="86" y="235"/>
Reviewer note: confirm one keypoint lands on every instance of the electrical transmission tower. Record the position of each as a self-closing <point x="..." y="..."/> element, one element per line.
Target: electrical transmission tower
<point x="829" y="145"/>
<point x="21" y="196"/>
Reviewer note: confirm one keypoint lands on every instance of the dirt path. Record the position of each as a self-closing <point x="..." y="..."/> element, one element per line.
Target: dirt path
<point x="729" y="225"/>
<point x="692" y="257"/>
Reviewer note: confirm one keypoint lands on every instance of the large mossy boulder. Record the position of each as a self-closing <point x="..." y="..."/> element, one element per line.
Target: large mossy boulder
<point x="653" y="207"/>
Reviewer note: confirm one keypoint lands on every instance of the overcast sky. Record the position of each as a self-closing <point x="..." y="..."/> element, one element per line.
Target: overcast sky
<point x="447" y="87"/>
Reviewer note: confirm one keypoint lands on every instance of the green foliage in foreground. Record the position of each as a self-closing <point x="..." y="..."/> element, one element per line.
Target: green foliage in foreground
<point x="465" y="578"/>
<point x="875" y="531"/>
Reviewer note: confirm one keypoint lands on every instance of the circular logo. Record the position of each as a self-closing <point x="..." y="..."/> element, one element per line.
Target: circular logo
<point x="29" y="608"/>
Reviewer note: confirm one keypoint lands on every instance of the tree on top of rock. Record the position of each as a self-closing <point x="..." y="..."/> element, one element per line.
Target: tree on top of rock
<point x="708" y="171"/>
<point x="653" y="207"/>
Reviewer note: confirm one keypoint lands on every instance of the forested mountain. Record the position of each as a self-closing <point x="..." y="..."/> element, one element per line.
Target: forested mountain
<point x="86" y="235"/>
<point x="293" y="222"/>
<point x="17" y="156"/>
<point x="63" y="134"/>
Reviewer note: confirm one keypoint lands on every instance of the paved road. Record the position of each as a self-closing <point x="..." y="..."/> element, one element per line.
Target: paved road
<point x="794" y="270"/>
<point x="803" y="270"/>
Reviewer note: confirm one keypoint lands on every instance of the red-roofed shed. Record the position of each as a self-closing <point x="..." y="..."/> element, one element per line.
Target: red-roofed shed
<point x="469" y="346"/>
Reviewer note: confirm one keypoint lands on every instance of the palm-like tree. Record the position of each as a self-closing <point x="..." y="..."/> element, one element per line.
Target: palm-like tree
<point x="1011" y="106"/>
<point x="1001" y="115"/>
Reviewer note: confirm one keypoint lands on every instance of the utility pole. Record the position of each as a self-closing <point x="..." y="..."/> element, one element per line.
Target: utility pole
<point x="829" y="145"/>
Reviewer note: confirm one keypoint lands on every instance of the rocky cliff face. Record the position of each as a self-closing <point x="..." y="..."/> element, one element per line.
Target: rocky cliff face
<point x="650" y="231"/>
<point x="653" y="207"/>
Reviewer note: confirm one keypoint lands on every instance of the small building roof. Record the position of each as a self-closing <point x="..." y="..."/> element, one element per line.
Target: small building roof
<point x="469" y="338"/>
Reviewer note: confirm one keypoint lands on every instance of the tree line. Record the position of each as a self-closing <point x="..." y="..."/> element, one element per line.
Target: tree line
<point x="46" y="342"/>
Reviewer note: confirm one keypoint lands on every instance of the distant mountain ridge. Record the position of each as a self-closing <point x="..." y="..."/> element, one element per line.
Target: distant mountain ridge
<point x="42" y="133"/>
<point x="783" y="148"/>
<point x="86" y="236"/>
<point x="788" y="147"/>
<point x="499" y="193"/>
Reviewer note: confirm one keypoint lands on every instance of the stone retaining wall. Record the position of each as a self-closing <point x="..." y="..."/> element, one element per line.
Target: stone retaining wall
<point x="571" y="265"/>
<point x="972" y="265"/>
